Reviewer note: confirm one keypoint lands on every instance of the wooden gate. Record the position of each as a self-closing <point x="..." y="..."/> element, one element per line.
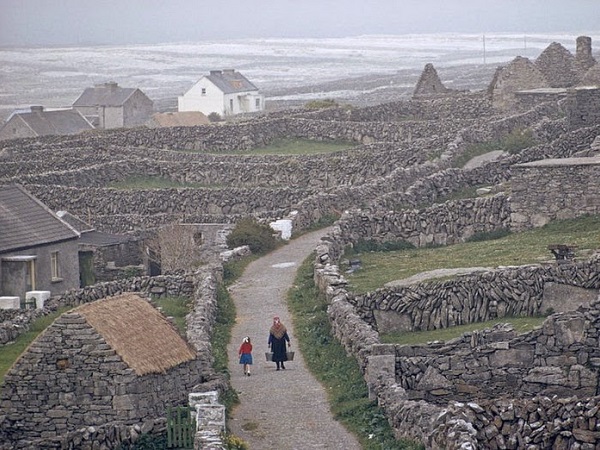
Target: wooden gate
<point x="181" y="427"/>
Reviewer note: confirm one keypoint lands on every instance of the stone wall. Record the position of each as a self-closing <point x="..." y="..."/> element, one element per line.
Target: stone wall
<point x="121" y="409"/>
<point x="583" y="110"/>
<point x="564" y="188"/>
<point x="442" y="224"/>
<point x="418" y="386"/>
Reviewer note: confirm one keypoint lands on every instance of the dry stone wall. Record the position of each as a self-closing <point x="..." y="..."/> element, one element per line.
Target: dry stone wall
<point x="458" y="394"/>
<point x="565" y="188"/>
<point x="97" y="415"/>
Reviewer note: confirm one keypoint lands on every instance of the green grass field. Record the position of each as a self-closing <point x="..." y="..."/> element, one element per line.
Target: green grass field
<point x="529" y="247"/>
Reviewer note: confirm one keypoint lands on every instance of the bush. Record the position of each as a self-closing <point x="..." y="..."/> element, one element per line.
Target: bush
<point x="214" y="117"/>
<point x="258" y="237"/>
<point x="321" y="104"/>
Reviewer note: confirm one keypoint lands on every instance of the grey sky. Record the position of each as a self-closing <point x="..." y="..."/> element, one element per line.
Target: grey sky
<point x="72" y="22"/>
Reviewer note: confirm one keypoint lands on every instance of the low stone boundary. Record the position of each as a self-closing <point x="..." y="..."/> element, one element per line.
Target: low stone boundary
<point x="202" y="287"/>
<point x="480" y="419"/>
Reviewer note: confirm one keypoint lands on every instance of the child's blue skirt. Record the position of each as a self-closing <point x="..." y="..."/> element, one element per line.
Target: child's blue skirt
<point x="246" y="358"/>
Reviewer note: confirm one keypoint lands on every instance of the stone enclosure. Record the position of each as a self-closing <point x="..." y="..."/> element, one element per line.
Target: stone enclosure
<point x="491" y="389"/>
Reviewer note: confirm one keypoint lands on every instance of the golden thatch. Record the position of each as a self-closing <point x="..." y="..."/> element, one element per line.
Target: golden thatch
<point x="138" y="332"/>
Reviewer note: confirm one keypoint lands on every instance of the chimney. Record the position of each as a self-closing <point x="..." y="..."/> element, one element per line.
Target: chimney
<point x="215" y="72"/>
<point x="583" y="55"/>
<point x="37" y="109"/>
<point x="229" y="71"/>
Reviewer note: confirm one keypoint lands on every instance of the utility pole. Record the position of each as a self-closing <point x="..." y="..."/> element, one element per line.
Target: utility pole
<point x="484" y="49"/>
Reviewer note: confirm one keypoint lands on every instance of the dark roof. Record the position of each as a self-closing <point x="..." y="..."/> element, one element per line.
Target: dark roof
<point x="61" y="121"/>
<point x="100" y="239"/>
<point x="230" y="81"/>
<point x="107" y="94"/>
<point x="89" y="235"/>
<point x="26" y="222"/>
<point x="80" y="225"/>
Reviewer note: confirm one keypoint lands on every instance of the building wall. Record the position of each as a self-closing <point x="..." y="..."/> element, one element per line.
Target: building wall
<point x="584" y="107"/>
<point x="15" y="128"/>
<point x="194" y="100"/>
<point x="137" y="109"/>
<point x="69" y="268"/>
<point x="111" y="117"/>
<point x="548" y="190"/>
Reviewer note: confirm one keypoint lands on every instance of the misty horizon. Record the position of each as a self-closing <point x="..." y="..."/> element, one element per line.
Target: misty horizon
<point x="54" y="23"/>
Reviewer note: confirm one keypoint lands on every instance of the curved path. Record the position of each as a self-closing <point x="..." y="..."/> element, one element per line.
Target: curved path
<point x="284" y="409"/>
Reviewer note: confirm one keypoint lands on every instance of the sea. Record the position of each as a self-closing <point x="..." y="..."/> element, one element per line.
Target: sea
<point x="284" y="69"/>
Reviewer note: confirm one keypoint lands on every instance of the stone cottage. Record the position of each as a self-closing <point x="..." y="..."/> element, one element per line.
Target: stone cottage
<point x="116" y="360"/>
<point x="41" y="122"/>
<point x="38" y="250"/>
<point x="109" y="105"/>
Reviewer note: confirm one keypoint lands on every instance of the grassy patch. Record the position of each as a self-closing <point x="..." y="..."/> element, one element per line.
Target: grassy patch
<point x="176" y="307"/>
<point x="11" y="352"/>
<point x="520" y="324"/>
<point x="149" y="182"/>
<point x="302" y="147"/>
<point x="339" y="373"/>
<point x="528" y="247"/>
<point x="512" y="143"/>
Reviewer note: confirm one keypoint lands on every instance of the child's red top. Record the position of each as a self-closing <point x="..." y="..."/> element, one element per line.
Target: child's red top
<point x="246" y="348"/>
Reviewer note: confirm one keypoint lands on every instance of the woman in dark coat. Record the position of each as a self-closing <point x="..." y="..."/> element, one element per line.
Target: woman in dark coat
<point x="278" y="336"/>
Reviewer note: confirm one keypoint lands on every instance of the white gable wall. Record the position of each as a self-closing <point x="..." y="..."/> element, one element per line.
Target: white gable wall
<point x="195" y="100"/>
<point x="213" y="100"/>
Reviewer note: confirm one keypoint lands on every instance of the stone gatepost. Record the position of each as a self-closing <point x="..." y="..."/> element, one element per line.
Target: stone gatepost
<point x="381" y="367"/>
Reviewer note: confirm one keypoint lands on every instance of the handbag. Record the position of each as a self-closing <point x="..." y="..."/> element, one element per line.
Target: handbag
<point x="269" y="356"/>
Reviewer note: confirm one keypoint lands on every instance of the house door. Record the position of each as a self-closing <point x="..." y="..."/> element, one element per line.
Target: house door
<point x="18" y="275"/>
<point x="86" y="269"/>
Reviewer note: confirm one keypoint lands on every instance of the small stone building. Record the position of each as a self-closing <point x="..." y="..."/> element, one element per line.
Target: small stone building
<point x="38" y="250"/>
<point x="553" y="189"/>
<point x="116" y="360"/>
<point x="41" y="122"/>
<point x="429" y="83"/>
<point x="109" y="105"/>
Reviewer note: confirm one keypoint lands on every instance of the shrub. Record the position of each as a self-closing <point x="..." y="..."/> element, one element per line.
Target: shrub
<point x="259" y="237"/>
<point x="322" y="104"/>
<point x="214" y="117"/>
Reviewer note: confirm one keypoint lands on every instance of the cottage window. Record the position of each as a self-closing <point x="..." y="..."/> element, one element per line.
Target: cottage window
<point x="203" y="91"/>
<point x="258" y="103"/>
<point x="55" y="266"/>
<point x="231" y="105"/>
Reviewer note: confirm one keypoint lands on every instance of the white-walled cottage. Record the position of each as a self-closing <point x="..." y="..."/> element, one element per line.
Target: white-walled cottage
<point x="225" y="92"/>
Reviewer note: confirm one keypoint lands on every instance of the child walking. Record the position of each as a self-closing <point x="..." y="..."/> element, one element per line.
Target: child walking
<point x="246" y="355"/>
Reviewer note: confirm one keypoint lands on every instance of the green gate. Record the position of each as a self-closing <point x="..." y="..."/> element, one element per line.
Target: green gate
<point x="181" y="427"/>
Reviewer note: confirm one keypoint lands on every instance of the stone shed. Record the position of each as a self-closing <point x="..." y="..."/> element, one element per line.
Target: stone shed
<point x="116" y="360"/>
<point x="554" y="189"/>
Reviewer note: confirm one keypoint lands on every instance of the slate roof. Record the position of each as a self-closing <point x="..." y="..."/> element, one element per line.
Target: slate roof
<point x="61" y="121"/>
<point x="26" y="222"/>
<point x="107" y="94"/>
<point x="229" y="81"/>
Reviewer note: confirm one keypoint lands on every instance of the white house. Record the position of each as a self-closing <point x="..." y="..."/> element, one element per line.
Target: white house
<point x="225" y="92"/>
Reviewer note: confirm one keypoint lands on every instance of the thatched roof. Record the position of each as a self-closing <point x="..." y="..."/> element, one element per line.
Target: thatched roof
<point x="138" y="332"/>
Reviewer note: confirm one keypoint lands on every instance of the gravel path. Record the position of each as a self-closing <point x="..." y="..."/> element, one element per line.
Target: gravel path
<point x="287" y="409"/>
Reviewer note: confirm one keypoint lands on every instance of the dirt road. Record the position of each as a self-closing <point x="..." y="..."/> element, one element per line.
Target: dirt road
<point x="284" y="409"/>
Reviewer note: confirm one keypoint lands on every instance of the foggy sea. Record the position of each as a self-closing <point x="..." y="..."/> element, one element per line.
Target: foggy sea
<point x="357" y="70"/>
